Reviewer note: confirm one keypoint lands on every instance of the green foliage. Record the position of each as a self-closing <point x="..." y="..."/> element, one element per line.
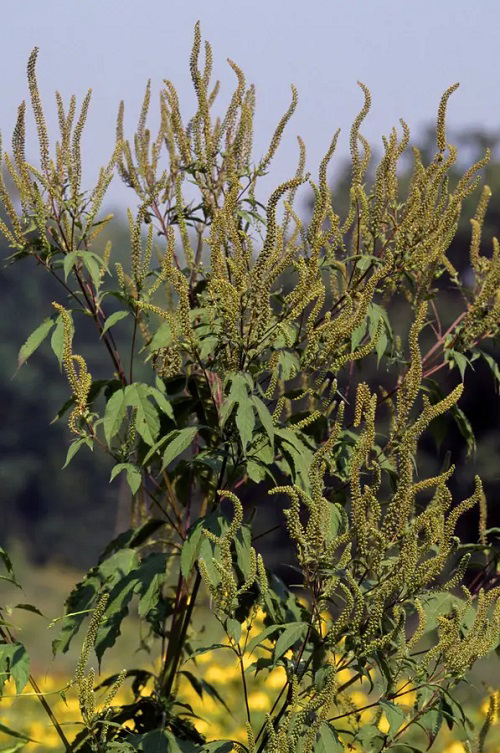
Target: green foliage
<point x="256" y="330"/>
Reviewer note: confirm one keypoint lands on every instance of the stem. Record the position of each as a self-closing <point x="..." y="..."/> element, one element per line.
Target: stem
<point x="174" y="650"/>
<point x="169" y="680"/>
<point x="244" y="683"/>
<point x="132" y="349"/>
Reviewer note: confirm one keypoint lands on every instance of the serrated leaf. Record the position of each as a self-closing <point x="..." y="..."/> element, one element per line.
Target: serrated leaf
<point x="394" y="714"/>
<point x="151" y="577"/>
<point x="92" y="263"/>
<point x="147" y="422"/>
<point x="162" y="337"/>
<point x="162" y="402"/>
<point x="328" y="740"/>
<point x="114" y="415"/>
<point x="207" y="346"/>
<point x="265" y="418"/>
<point x="69" y="262"/>
<point x="34" y="341"/>
<point x="113" y="319"/>
<point x="134" y="476"/>
<point x="233" y="628"/>
<point x="179" y="443"/>
<point x="245" y="421"/>
<point x="74" y="447"/>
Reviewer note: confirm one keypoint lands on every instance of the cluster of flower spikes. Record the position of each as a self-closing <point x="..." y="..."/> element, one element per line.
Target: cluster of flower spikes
<point x="224" y="588"/>
<point x="80" y="382"/>
<point x="94" y="719"/>
<point x="55" y="188"/>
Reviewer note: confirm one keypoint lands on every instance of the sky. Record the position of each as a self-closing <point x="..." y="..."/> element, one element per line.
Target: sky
<point x="406" y="51"/>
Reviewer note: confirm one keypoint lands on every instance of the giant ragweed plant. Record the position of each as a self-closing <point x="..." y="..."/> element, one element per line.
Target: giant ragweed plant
<point x="256" y="326"/>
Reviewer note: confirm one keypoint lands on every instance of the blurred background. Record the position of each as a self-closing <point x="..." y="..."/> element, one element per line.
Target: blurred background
<point x="406" y="53"/>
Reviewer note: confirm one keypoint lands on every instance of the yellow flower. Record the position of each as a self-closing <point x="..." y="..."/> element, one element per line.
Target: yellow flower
<point x="240" y="734"/>
<point x="408" y="698"/>
<point x="360" y="699"/>
<point x="276" y="679"/>
<point x="37" y="730"/>
<point x="204" y="658"/>
<point x="454" y="747"/>
<point x="259" y="701"/>
<point x="344" y="676"/>
<point x="383" y="724"/>
<point x="216" y="674"/>
<point x="51" y="739"/>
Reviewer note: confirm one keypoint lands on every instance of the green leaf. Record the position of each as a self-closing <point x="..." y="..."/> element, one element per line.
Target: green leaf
<point x="162" y="402"/>
<point x="14" y="747"/>
<point x="92" y="262"/>
<point x="206" y="649"/>
<point x="289" y="365"/>
<point x="191" y="548"/>
<point x="74" y="447"/>
<point x="111" y="573"/>
<point x="134" y="476"/>
<point x="114" y="415"/>
<point x="243" y="546"/>
<point x="147" y="422"/>
<point x="245" y="421"/>
<point x="207" y="346"/>
<point x="300" y="454"/>
<point x="7" y="562"/>
<point x="292" y="633"/>
<point x="328" y="740"/>
<point x="14" y="662"/>
<point x="29" y="608"/>
<point x="495" y="370"/>
<point x="34" y="341"/>
<point x="465" y="428"/>
<point x="395" y="716"/>
<point x="262" y="637"/>
<point x="113" y="319"/>
<point x="265" y="418"/>
<point x="439" y="603"/>
<point x="162" y="337"/>
<point x="459" y="360"/>
<point x="233" y="628"/>
<point x="151" y="577"/>
<point x="69" y="262"/>
<point x="357" y="335"/>
<point x="218" y="746"/>
<point x="181" y="440"/>
<point x="13" y="733"/>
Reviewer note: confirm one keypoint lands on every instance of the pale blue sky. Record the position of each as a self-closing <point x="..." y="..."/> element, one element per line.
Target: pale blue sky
<point x="407" y="52"/>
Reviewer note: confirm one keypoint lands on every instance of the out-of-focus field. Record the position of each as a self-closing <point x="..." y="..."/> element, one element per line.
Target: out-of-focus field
<point x="47" y="588"/>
